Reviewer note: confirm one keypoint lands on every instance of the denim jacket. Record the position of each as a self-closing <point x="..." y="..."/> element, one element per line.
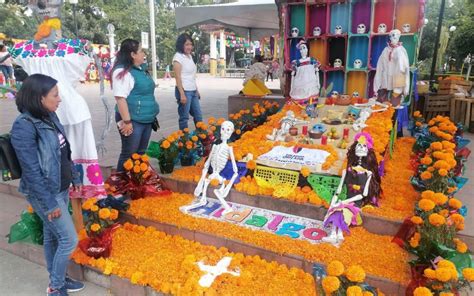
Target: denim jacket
<point x="36" y="144"/>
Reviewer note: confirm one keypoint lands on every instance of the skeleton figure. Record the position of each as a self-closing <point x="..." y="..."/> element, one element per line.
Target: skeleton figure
<point x="217" y="160"/>
<point x="316" y="31"/>
<point x="365" y="113"/>
<point x="382" y="28"/>
<point x="357" y="64"/>
<point x="361" y="29"/>
<point x="49" y="11"/>
<point x="406" y="28"/>
<point x="337" y="63"/>
<point x="285" y="124"/>
<point x="355" y="94"/>
<point x="335" y="94"/>
<point x="214" y="271"/>
<point x="295" y="32"/>
<point x="338" y="30"/>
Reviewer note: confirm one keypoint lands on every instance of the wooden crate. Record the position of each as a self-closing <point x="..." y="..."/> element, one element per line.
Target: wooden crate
<point x="454" y="86"/>
<point x="436" y="105"/>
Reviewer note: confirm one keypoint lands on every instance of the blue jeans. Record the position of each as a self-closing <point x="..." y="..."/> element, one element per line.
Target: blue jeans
<point x="137" y="142"/>
<point x="7" y="71"/>
<point x="60" y="239"/>
<point x="192" y="107"/>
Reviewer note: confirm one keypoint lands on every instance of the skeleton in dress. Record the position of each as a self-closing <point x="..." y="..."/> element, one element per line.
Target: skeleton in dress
<point x="366" y="111"/>
<point x="217" y="160"/>
<point x="285" y="124"/>
<point x="47" y="10"/>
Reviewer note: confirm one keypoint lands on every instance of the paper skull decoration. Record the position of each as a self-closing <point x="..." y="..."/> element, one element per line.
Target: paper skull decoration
<point x="338" y="30"/>
<point x="316" y="31"/>
<point x="337" y="63"/>
<point x="355" y="94"/>
<point x="357" y="64"/>
<point x="382" y="28"/>
<point x="361" y="29"/>
<point x="295" y="32"/>
<point x="335" y="94"/>
<point x="406" y="28"/>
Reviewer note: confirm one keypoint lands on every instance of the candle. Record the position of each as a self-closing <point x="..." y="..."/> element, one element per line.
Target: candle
<point x="305" y="130"/>
<point x="324" y="140"/>
<point x="345" y="133"/>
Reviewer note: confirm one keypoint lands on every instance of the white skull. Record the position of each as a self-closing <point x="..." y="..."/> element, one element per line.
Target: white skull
<point x="337" y="63"/>
<point x="295" y="32"/>
<point x="304" y="50"/>
<point x="357" y="64"/>
<point x="395" y="36"/>
<point x="227" y="128"/>
<point x="334" y="94"/>
<point x="316" y="31"/>
<point x="406" y="28"/>
<point x="361" y="150"/>
<point x="382" y="28"/>
<point x="355" y="94"/>
<point x="360" y="29"/>
<point x="338" y="30"/>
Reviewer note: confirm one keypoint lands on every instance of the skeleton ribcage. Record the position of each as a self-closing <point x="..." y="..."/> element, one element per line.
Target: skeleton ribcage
<point x="220" y="157"/>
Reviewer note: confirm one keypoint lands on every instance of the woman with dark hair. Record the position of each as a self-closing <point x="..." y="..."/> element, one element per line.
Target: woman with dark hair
<point x="44" y="154"/>
<point x="186" y="92"/>
<point x="136" y="108"/>
<point x="362" y="181"/>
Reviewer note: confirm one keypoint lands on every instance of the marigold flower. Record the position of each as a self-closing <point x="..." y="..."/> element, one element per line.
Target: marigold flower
<point x="199" y="124"/>
<point x="436" y="146"/>
<point x="426" y="205"/>
<point x="213" y="128"/>
<point x="331" y="284"/>
<point x="186" y="130"/>
<point x="468" y="274"/>
<point x="355" y="273"/>
<point x="238" y="131"/>
<point x="354" y="291"/>
<point x="95" y="227"/>
<point x="251" y="165"/>
<point x="442" y="172"/>
<point x="437" y="220"/>
<point x="422" y="291"/>
<point x="220" y="121"/>
<point x="461" y="247"/>
<point x="446" y="294"/>
<point x="425" y="175"/>
<point x="335" y="268"/>
<point x="165" y="144"/>
<point x="455" y="203"/>
<point x="145" y="158"/>
<point x="367" y="293"/>
<point x="194" y="138"/>
<point x="439" y="198"/>
<point x="94" y="208"/>
<point x="143" y="167"/>
<point x="456" y="218"/>
<point x="426" y="160"/>
<point x="104" y="213"/>
<point x="86" y="205"/>
<point x="417" y="114"/>
<point x="135" y="156"/>
<point x="428" y="194"/>
<point x="305" y="172"/>
<point x="202" y="136"/>
<point x="429" y="273"/>
<point x="128" y="165"/>
<point x="443" y="274"/>
<point x="214" y="182"/>
<point x="136" y="169"/>
<point x="418" y="124"/>
<point x="114" y="214"/>
<point x="416" y="220"/>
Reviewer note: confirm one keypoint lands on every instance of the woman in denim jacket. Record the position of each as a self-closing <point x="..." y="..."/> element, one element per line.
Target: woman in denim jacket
<point x="47" y="173"/>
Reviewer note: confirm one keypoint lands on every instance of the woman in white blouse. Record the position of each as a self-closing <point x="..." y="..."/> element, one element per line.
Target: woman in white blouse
<point x="186" y="92"/>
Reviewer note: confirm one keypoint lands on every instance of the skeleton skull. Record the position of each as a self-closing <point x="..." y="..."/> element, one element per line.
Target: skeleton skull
<point x="316" y="31"/>
<point x="335" y="94"/>
<point x="355" y="94"/>
<point x="357" y="64"/>
<point x="395" y="36"/>
<point x="227" y="128"/>
<point x="406" y="28"/>
<point x="361" y="29"/>
<point x="337" y="63"/>
<point x="338" y="30"/>
<point x="361" y="150"/>
<point x="382" y="28"/>
<point x="295" y="32"/>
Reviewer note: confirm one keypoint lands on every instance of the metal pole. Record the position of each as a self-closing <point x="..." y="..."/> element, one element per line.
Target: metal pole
<point x="153" y="38"/>
<point x="438" y="34"/>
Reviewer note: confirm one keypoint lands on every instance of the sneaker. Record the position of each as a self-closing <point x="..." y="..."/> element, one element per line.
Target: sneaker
<point x="57" y="292"/>
<point x="73" y="285"/>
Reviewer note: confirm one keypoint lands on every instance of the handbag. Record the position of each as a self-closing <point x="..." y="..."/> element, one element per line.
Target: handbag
<point x="155" y="125"/>
<point x="9" y="164"/>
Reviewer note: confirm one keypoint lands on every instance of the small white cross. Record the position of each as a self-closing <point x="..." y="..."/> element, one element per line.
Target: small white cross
<point x="215" y="271"/>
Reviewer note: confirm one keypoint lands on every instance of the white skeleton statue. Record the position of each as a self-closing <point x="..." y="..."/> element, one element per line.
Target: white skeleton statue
<point x="357" y="63"/>
<point x="295" y="32"/>
<point x="285" y="124"/>
<point x="361" y="29"/>
<point x="406" y="28"/>
<point x="212" y="272"/>
<point x="217" y="160"/>
<point x="365" y="112"/>
<point x="316" y="31"/>
<point x="382" y="28"/>
<point x="338" y="30"/>
<point x="337" y="63"/>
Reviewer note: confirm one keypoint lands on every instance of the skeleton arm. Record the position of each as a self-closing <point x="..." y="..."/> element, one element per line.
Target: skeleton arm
<point x="335" y="197"/>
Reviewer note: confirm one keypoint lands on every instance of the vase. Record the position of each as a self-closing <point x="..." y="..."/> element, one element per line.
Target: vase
<point x="186" y="160"/>
<point x="166" y="167"/>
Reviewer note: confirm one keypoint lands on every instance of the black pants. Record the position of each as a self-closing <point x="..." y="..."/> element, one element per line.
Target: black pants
<point x="270" y="74"/>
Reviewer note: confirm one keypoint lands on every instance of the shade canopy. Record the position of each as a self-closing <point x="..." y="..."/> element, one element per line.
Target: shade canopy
<point x="254" y="18"/>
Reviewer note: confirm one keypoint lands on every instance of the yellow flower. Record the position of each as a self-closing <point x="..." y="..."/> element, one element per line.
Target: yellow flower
<point x="439" y="198"/>
<point x="415" y="240"/>
<point x="194" y="138"/>
<point x="422" y="291"/>
<point x="94" y="208"/>
<point x="367" y="293"/>
<point x="436" y="146"/>
<point x="461" y="247"/>
<point x="87" y="205"/>
<point x="443" y="274"/>
<point x="468" y="274"/>
<point x="426" y="205"/>
<point x="114" y="214"/>
<point x="335" y="268"/>
<point x="425" y="175"/>
<point x="331" y="284"/>
<point x="436" y="219"/>
<point x="354" y="291"/>
<point x="428" y="194"/>
<point x="95" y="227"/>
<point x="429" y="273"/>
<point x="416" y="220"/>
<point x="145" y="158"/>
<point x="455" y="203"/>
<point x="355" y="273"/>
<point x="305" y="171"/>
<point x="442" y="172"/>
<point x="214" y="182"/>
<point x="186" y="130"/>
<point x="426" y="160"/>
<point x="104" y="213"/>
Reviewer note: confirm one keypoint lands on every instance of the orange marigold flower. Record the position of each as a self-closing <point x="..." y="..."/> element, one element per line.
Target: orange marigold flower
<point x="426" y="160"/>
<point x="444" y="213"/>
<point x="428" y="194"/>
<point x="417" y="114"/>
<point x="194" y="138"/>
<point x="251" y="165"/>
<point x="214" y="182"/>
<point x="165" y="144"/>
<point x="135" y="156"/>
<point x="436" y="146"/>
<point x="426" y="175"/>
<point x="437" y="220"/>
<point x="416" y="220"/>
<point x="426" y="205"/>
<point x="439" y="198"/>
<point x="114" y="214"/>
<point x="213" y="128"/>
<point x="331" y="284"/>
<point x="305" y="171"/>
<point x="461" y="247"/>
<point x="143" y="167"/>
<point x="468" y="274"/>
<point x="238" y="131"/>
<point x="418" y="124"/>
<point x="136" y="169"/>
<point x="442" y="172"/>
<point x="202" y="136"/>
<point x="186" y="130"/>
<point x="430" y="169"/>
<point x="335" y="268"/>
<point x="443" y="274"/>
<point x="199" y="124"/>
<point x="86" y="205"/>
<point x="422" y="291"/>
<point x="455" y="203"/>
<point x="354" y="291"/>
<point x="367" y="293"/>
<point x="355" y="273"/>
<point x="94" y="208"/>
<point x="220" y="121"/>
<point x="429" y="273"/>
<point x="128" y="165"/>
<point x="145" y="158"/>
<point x="95" y="227"/>
<point x="104" y="213"/>
<point x="137" y="162"/>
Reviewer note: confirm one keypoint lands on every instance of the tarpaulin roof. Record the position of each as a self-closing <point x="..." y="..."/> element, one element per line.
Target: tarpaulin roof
<point x="258" y="18"/>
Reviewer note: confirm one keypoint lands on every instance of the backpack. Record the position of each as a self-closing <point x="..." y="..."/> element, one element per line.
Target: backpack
<point x="9" y="164"/>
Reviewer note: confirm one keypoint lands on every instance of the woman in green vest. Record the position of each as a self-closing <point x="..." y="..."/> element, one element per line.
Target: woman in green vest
<point x="136" y="108"/>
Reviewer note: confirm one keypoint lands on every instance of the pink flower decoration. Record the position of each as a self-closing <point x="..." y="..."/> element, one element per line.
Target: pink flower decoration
<point x="29" y="47"/>
<point x="19" y="44"/>
<point x="42" y="52"/>
<point x="51" y="51"/>
<point x="70" y="49"/>
<point x="94" y="174"/>
<point x="62" y="46"/>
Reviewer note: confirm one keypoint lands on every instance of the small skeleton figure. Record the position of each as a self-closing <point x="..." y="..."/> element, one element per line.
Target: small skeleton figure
<point x="355" y="94"/>
<point x="365" y="113"/>
<point x="337" y="63"/>
<point x="357" y="63"/>
<point x="295" y="32"/>
<point x="361" y="29"/>
<point x="362" y="181"/>
<point x="212" y="272"/>
<point x="338" y="30"/>
<point x="382" y="28"/>
<point x="317" y="31"/>
<point x="217" y="160"/>
<point x="285" y="124"/>
<point x="406" y="28"/>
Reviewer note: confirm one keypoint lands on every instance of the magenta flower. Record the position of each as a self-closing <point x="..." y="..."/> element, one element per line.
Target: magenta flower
<point x="62" y="46"/>
<point x="29" y="47"/>
<point x="70" y="49"/>
<point x="94" y="174"/>
<point x="42" y="52"/>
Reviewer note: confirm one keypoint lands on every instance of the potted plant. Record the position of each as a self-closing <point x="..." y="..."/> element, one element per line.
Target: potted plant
<point x="167" y="155"/>
<point x="187" y="147"/>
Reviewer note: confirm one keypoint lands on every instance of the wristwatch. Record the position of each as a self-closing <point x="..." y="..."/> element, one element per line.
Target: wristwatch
<point x="127" y="121"/>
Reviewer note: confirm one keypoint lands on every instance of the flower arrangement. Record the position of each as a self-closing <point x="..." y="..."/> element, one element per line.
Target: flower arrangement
<point x="168" y="152"/>
<point x="138" y="168"/>
<point x="187" y="145"/>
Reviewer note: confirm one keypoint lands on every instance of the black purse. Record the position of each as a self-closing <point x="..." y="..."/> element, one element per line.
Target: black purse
<point x="9" y="165"/>
<point x="155" y="125"/>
